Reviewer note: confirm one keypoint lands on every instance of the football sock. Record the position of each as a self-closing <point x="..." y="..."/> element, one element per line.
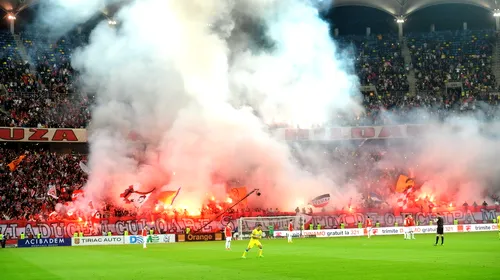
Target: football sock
<point x="442" y="240"/>
<point x="260" y="252"/>
<point x="437" y="239"/>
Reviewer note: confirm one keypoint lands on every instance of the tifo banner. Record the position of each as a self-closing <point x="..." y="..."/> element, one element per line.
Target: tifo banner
<point x="98" y="240"/>
<point x="156" y="238"/>
<point x="12" y="134"/>
<point x="368" y="132"/>
<point x="466" y="216"/>
<point x="43" y="242"/>
<point x="386" y="231"/>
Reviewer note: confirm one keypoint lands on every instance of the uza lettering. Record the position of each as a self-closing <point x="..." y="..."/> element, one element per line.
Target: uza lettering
<point x="42" y="134"/>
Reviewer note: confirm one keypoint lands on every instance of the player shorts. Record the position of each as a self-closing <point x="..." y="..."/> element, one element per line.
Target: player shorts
<point x="254" y="242"/>
<point x="440" y="230"/>
<point x="406" y="229"/>
<point x="411" y="229"/>
<point x="368" y="229"/>
<point x="271" y="233"/>
<point x="228" y="238"/>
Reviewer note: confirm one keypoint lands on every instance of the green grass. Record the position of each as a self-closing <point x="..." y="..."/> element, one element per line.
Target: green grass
<point x="464" y="256"/>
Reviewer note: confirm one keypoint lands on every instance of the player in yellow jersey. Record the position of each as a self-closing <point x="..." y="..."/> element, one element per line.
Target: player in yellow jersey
<point x="498" y="225"/>
<point x="255" y="240"/>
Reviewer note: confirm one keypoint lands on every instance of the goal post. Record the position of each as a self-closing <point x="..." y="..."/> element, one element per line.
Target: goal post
<point x="280" y="223"/>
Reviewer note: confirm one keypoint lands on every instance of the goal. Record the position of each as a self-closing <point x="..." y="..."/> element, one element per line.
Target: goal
<point x="247" y="224"/>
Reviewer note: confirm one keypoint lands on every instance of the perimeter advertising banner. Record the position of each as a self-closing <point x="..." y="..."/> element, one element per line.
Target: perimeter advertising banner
<point x="199" y="237"/>
<point x="156" y="238"/>
<point x="98" y="240"/>
<point x="386" y="231"/>
<point x="43" y="242"/>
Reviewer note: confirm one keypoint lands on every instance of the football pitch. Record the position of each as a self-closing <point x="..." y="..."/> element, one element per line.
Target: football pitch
<point x="464" y="256"/>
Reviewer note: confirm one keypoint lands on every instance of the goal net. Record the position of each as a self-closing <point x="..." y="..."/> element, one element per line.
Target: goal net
<point x="247" y="224"/>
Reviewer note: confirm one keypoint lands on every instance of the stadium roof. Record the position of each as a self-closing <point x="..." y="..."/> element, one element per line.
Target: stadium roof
<point x="406" y="7"/>
<point x="393" y="7"/>
<point x="15" y="6"/>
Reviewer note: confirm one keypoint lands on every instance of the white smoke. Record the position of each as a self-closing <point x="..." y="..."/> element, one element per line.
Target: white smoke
<point x="183" y="77"/>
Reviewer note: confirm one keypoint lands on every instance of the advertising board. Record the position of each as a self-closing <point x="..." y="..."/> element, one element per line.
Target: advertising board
<point x="43" y="242"/>
<point x="98" y="240"/>
<point x="156" y="238"/>
<point x="388" y="231"/>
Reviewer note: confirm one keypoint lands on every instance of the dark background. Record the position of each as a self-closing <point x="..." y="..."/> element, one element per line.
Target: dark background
<point x="355" y="19"/>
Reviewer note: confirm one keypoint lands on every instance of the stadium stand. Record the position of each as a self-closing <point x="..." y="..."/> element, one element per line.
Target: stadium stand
<point x="26" y="185"/>
<point x="448" y="56"/>
<point x="41" y="92"/>
<point x="379" y="62"/>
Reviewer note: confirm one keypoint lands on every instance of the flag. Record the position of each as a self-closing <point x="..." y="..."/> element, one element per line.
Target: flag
<point x="76" y="194"/>
<point x="52" y="191"/>
<point x="84" y="168"/>
<point x="137" y="198"/>
<point x="375" y="197"/>
<point x="15" y="163"/>
<point x="321" y="201"/>
<point x="403" y="197"/>
<point x="96" y="216"/>
<point x="238" y="194"/>
<point x="403" y="183"/>
<point x="168" y="197"/>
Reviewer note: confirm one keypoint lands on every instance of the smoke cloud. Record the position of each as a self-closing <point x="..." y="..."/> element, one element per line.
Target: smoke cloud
<point x="454" y="159"/>
<point x="196" y="82"/>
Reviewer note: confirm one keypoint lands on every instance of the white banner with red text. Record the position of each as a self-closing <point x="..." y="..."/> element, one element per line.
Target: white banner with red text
<point x="69" y="135"/>
<point x="375" y="132"/>
<point x="387" y="231"/>
<point x="52" y="135"/>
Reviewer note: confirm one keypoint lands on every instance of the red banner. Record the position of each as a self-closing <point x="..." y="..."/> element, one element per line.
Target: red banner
<point x="168" y="225"/>
<point x="58" y="135"/>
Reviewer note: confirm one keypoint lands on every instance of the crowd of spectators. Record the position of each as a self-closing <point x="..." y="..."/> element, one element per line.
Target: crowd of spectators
<point x="45" y="94"/>
<point x="45" y="110"/>
<point x="24" y="188"/>
<point x="453" y="56"/>
<point x="42" y="92"/>
<point x="378" y="62"/>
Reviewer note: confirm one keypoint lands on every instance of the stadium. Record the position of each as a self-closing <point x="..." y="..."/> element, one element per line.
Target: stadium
<point x="139" y="136"/>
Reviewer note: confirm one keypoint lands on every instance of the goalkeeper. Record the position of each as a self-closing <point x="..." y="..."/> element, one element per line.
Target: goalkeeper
<point x="271" y="232"/>
<point x="255" y="240"/>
